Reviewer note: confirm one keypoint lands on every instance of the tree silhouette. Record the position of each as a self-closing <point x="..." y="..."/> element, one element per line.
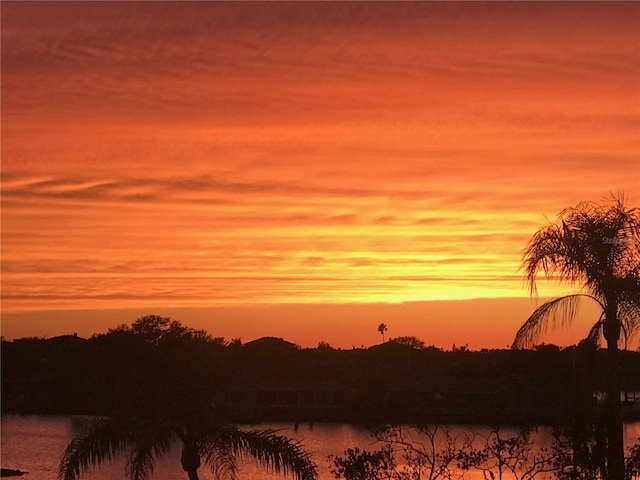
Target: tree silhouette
<point x="172" y="395"/>
<point x="409" y="341"/>
<point x="217" y="444"/>
<point x="598" y="248"/>
<point x="382" y="328"/>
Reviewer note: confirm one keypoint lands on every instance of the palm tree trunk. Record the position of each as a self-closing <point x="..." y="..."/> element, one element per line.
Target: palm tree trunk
<point x="193" y="474"/>
<point x="190" y="460"/>
<point x="615" y="447"/>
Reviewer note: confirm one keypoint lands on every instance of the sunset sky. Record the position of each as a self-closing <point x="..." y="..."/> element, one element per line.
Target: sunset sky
<point x="303" y="170"/>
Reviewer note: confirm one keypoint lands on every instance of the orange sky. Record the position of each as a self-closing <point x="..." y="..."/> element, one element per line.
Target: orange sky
<point x="160" y="156"/>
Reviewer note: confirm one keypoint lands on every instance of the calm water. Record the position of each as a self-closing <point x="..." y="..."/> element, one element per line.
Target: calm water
<point x="36" y="443"/>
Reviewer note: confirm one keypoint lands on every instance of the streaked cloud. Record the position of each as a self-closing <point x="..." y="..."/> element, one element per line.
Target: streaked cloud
<point x="228" y="153"/>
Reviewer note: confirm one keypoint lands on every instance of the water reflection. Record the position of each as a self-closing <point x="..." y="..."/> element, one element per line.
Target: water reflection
<point x="36" y="443"/>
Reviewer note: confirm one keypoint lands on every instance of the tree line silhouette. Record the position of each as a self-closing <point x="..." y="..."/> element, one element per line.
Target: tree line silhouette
<point x="387" y="382"/>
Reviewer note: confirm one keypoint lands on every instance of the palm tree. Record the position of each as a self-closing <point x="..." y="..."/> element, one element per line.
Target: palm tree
<point x="598" y="248"/>
<point x="381" y="329"/>
<point x="217" y="444"/>
<point x="171" y="395"/>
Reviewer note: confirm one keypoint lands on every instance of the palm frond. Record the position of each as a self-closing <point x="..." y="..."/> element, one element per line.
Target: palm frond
<point x="589" y="245"/>
<point x="629" y="315"/>
<point x="595" y="332"/>
<point x="100" y="442"/>
<point x="150" y="443"/>
<point x="557" y="312"/>
<point x="221" y="460"/>
<point x="552" y="251"/>
<point x="274" y="452"/>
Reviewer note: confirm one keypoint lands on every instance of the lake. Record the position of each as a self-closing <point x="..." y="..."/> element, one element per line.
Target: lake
<point x="36" y="443"/>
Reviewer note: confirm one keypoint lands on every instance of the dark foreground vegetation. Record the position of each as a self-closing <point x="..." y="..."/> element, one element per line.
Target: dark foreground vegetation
<point x="413" y="452"/>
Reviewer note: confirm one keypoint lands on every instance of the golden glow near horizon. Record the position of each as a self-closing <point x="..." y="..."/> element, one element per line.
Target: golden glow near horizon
<point x="211" y="153"/>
